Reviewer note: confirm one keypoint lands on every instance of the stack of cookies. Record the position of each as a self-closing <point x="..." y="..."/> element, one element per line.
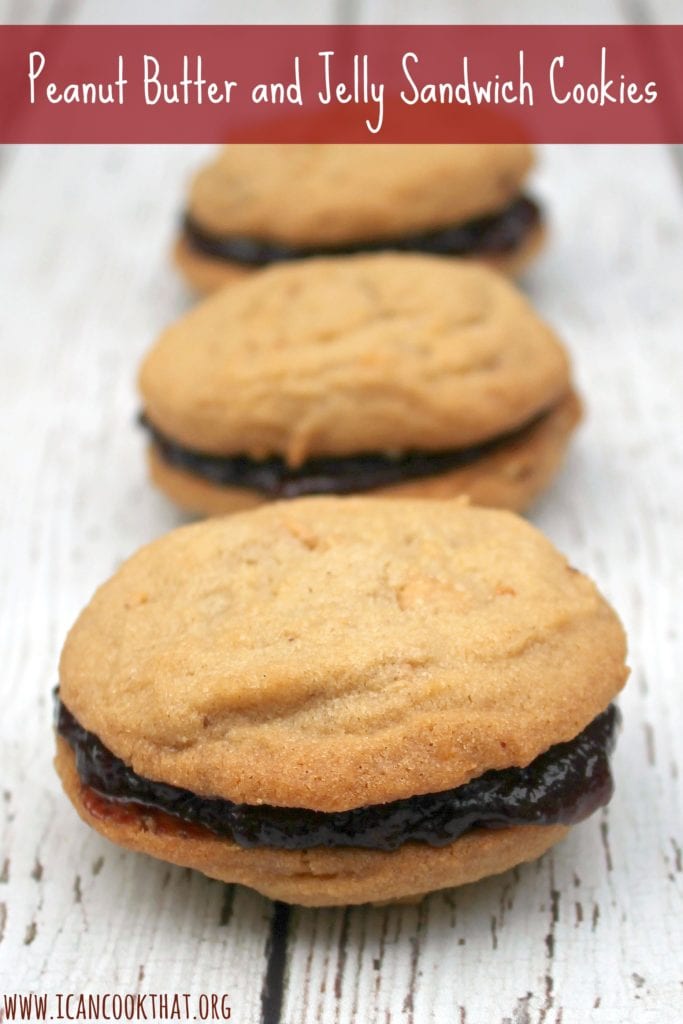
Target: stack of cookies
<point x="379" y="682"/>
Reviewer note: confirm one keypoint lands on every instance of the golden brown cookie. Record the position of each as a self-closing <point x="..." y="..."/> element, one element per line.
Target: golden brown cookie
<point x="256" y="205"/>
<point x="338" y="697"/>
<point x="392" y="373"/>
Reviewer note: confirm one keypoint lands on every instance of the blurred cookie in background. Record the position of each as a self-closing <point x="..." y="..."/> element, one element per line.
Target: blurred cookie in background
<point x="257" y="205"/>
<point x="399" y="374"/>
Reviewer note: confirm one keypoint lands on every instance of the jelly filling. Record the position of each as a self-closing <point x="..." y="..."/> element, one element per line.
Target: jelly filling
<point x="343" y="475"/>
<point x="495" y="235"/>
<point x="562" y="786"/>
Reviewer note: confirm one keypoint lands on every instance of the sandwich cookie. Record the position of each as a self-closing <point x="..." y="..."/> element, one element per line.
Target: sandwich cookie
<point x="257" y="205"/>
<point x="342" y="700"/>
<point x="398" y="374"/>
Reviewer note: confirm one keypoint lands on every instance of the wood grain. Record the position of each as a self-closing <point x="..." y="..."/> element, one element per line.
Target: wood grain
<point x="593" y="931"/>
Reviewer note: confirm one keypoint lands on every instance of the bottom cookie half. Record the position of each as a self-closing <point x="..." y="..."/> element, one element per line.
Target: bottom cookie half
<point x="510" y="476"/>
<point x="319" y="877"/>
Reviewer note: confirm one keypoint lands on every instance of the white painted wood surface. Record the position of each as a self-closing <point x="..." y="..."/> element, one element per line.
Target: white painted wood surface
<point x="593" y="931"/>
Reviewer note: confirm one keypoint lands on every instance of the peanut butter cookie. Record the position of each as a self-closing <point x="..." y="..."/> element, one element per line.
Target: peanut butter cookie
<point x="397" y="374"/>
<point x="257" y="205"/>
<point x="342" y="700"/>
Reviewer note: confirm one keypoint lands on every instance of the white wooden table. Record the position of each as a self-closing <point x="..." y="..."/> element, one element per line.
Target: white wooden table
<point x="593" y="931"/>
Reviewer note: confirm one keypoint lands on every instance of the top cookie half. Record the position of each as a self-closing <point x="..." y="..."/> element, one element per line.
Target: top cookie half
<point x="305" y="195"/>
<point x="332" y="357"/>
<point x="257" y="205"/>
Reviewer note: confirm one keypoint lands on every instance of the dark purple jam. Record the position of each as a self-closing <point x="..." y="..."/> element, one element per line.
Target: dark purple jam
<point x="562" y="786"/>
<point x="495" y="235"/>
<point x="343" y="475"/>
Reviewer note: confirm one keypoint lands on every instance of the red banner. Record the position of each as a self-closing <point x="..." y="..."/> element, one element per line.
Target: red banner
<point x="312" y="83"/>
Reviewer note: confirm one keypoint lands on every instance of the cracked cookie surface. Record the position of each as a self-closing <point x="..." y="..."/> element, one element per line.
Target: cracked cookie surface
<point x="329" y="653"/>
<point x="369" y="353"/>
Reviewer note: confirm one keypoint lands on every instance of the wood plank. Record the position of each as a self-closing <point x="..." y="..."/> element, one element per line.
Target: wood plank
<point x="86" y="286"/>
<point x="580" y="935"/>
<point x="170" y="12"/>
<point x="653" y="12"/>
<point x="488" y="12"/>
<point x="85" y="295"/>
